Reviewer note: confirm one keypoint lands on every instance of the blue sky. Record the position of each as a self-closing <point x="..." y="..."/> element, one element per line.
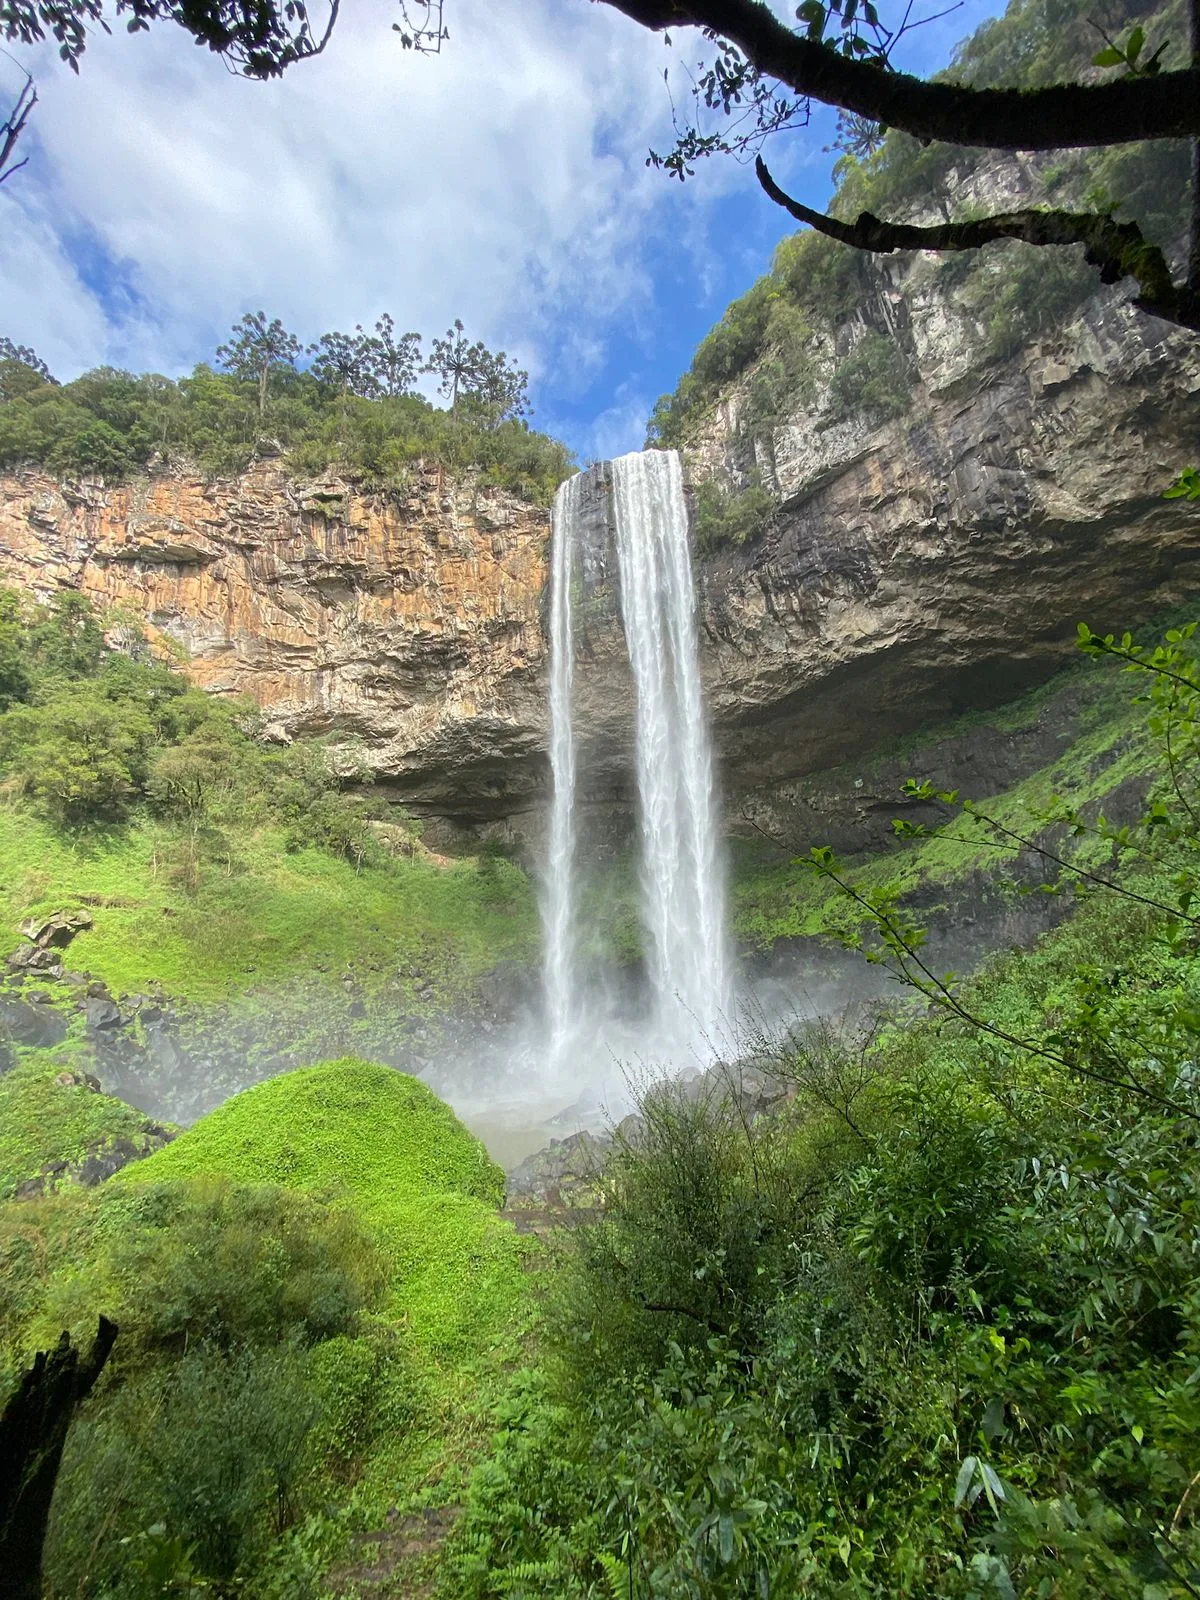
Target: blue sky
<point x="503" y="182"/>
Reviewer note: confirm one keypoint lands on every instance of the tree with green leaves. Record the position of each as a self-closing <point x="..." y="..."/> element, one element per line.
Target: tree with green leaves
<point x="456" y="363"/>
<point x="22" y="370"/>
<point x="496" y="384"/>
<point x="257" y="350"/>
<point x="344" y="363"/>
<point x="394" y="362"/>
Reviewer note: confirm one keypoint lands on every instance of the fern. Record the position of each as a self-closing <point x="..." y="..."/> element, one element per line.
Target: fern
<point x="617" y="1575"/>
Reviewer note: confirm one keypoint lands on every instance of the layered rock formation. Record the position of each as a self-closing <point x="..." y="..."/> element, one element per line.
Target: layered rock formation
<point x="940" y="562"/>
<point x="913" y="569"/>
<point x="408" y="625"/>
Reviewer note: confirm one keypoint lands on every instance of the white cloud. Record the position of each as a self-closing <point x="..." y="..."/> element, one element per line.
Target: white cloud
<point x="502" y="181"/>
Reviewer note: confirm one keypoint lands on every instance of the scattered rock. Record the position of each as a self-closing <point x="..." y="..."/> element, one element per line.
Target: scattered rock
<point x="37" y="1027"/>
<point x="36" y="958"/>
<point x="58" y="929"/>
<point x="101" y="1012"/>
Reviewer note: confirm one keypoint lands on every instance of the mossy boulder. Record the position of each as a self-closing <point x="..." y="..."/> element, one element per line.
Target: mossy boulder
<point x="383" y="1142"/>
<point x="350" y="1124"/>
<point x="57" y="1128"/>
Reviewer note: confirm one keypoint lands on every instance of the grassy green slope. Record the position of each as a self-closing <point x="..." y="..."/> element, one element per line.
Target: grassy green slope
<point x="399" y="1155"/>
<point x="775" y="895"/>
<point x="296" y="915"/>
<point x="49" y="1116"/>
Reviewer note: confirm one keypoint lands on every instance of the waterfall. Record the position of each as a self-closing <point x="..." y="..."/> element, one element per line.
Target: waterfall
<point x="683" y="891"/>
<point x="558" y="918"/>
<point x="682" y="879"/>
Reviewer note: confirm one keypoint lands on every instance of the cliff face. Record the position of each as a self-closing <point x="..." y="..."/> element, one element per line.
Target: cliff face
<point x="409" y="626"/>
<point x="940" y="561"/>
<point x="915" y="568"/>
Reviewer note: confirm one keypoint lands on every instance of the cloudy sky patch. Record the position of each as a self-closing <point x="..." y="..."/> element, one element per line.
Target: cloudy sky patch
<point x="503" y="182"/>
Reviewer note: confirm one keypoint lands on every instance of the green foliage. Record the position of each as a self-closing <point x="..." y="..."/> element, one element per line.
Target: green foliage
<point x="395" y="1152"/>
<point x="721" y="517"/>
<point x="1018" y="291"/>
<point x="1021" y="292"/>
<point x="875" y="379"/>
<point x="204" y="1446"/>
<point x="282" y="1344"/>
<point x="378" y="1134"/>
<point x="49" y="1119"/>
<point x="365" y="424"/>
<point x="932" y="1327"/>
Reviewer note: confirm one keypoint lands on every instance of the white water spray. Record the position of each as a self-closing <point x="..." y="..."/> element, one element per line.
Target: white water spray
<point x="558" y="900"/>
<point x="683" y="891"/>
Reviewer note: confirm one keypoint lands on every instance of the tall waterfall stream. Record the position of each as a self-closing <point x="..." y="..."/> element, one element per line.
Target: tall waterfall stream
<point x="682" y="875"/>
<point x="571" y="1065"/>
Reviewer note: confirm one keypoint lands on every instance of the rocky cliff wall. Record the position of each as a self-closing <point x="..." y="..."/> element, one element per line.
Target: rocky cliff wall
<point x="939" y="562"/>
<point x="934" y="562"/>
<point x="408" y="625"/>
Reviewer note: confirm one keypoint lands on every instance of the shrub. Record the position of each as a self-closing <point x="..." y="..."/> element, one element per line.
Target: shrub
<point x="206" y="1462"/>
<point x="876" y="379"/>
<point x="721" y="517"/>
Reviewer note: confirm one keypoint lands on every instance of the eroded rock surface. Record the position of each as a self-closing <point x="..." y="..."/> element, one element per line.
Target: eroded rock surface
<point x="937" y="562"/>
<point x="408" y="624"/>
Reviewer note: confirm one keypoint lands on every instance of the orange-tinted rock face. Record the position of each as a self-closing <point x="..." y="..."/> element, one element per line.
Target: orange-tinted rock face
<point x="408" y="624"/>
<point x="913" y="570"/>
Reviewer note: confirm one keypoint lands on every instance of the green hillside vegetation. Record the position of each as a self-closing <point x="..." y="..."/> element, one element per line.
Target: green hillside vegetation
<point x="114" y="425"/>
<point x="1017" y="291"/>
<point x="48" y="1117"/>
<point x="214" y="862"/>
<point x="775" y="895"/>
<point x="314" y="1289"/>
<point x="932" y="1327"/>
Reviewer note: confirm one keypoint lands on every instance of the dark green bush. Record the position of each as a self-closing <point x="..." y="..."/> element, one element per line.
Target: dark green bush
<point x="113" y="425"/>
<point x="875" y="380"/>
<point x="234" y="1390"/>
<point x="723" y="517"/>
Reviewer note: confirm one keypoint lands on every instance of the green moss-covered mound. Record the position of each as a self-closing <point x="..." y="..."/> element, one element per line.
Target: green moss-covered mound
<point x="55" y="1128"/>
<point x="350" y="1124"/>
<point x="386" y="1144"/>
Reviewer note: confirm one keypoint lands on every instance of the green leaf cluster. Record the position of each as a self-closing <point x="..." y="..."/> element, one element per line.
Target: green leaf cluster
<point x="115" y="425"/>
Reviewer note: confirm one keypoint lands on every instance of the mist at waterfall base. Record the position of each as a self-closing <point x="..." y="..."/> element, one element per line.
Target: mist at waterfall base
<point x="594" y="1042"/>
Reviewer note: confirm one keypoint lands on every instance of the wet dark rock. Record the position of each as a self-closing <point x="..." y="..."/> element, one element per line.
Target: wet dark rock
<point x="566" y="1169"/>
<point x="101" y="1013"/>
<point x="101" y="1164"/>
<point x="36" y="958"/>
<point x="56" y="930"/>
<point x="36" y="1026"/>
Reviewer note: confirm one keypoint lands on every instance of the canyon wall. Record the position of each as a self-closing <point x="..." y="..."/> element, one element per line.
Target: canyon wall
<point x="934" y="562"/>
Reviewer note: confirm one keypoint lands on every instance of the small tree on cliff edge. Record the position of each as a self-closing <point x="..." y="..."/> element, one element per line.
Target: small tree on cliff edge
<point x="257" y="349"/>
<point x="498" y="385"/>
<point x="764" y="74"/>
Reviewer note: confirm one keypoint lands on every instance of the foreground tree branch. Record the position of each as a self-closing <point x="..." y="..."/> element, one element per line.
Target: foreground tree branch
<point x="12" y="129"/>
<point x="1118" y="249"/>
<point x="33" y="1431"/>
<point x="1164" y="106"/>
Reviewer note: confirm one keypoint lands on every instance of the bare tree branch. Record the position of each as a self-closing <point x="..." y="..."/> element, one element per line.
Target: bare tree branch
<point x="1118" y="249"/>
<point x="1164" y="106"/>
<point x="11" y="130"/>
